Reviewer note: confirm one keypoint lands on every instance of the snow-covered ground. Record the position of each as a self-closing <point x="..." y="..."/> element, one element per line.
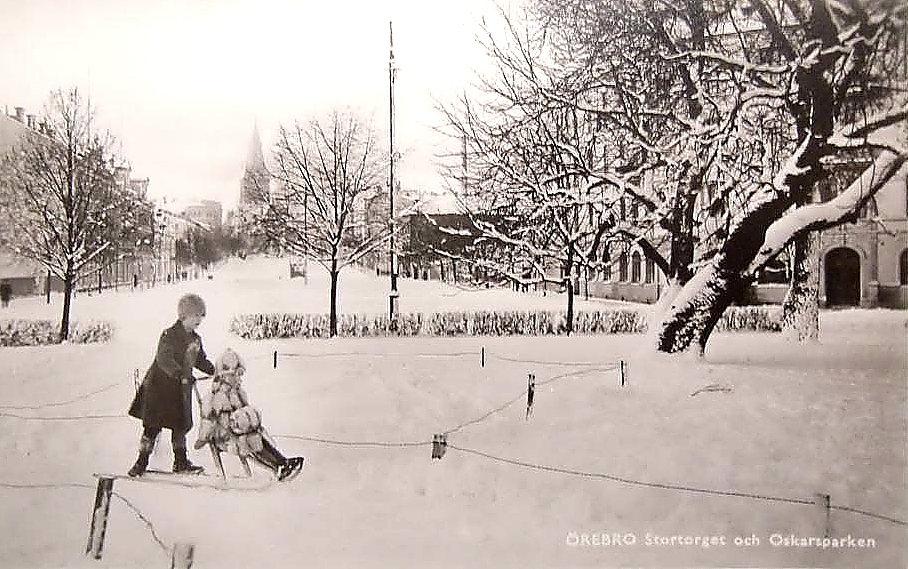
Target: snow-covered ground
<point x="593" y="459"/>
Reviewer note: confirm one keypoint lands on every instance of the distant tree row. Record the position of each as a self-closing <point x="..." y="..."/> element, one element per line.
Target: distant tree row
<point x="60" y="204"/>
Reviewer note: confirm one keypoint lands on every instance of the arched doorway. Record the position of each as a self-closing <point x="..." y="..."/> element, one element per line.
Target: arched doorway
<point x="843" y="277"/>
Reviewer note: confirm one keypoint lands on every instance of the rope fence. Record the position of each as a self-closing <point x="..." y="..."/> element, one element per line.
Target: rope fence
<point x="61" y="417"/>
<point x="61" y="403"/>
<point x="380" y="354"/>
<point x="523" y="395"/>
<point x="132" y="507"/>
<point x="439" y="441"/>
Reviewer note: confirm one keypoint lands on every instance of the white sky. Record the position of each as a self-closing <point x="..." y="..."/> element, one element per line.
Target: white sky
<point x="180" y="83"/>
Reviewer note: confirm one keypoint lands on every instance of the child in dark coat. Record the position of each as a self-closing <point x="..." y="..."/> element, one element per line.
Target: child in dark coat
<point x="164" y="400"/>
<point x="232" y="425"/>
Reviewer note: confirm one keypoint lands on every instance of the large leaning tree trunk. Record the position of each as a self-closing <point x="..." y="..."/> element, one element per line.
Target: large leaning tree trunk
<point x="768" y="229"/>
<point x="837" y="55"/>
<point x="800" y="308"/>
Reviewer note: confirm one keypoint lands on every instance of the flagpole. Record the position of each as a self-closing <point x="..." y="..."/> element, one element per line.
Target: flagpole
<point x="392" y="72"/>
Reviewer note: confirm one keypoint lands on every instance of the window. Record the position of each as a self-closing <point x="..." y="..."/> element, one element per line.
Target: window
<point x="649" y="275"/>
<point x="622" y="268"/>
<point x="869" y="210"/>
<point x="635" y="267"/>
<point x="607" y="266"/>
<point x="903" y="268"/>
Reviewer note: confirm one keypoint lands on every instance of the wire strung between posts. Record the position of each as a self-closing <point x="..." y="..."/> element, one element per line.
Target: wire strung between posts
<point x="61" y="417"/>
<point x="630" y="481"/>
<point x="59" y="403"/>
<point x="382" y="354"/>
<point x="869" y="514"/>
<point x="544" y="362"/>
<point x="144" y="520"/>
<point x="485" y="416"/>
<point x="138" y="513"/>
<point x="664" y="486"/>
<point x="356" y="443"/>
<point x="522" y="396"/>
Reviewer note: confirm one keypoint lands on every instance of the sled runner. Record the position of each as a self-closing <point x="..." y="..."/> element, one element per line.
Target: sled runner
<point x="198" y="480"/>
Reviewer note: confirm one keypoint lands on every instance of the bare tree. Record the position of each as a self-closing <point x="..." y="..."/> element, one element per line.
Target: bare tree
<point x="528" y="188"/>
<point x="57" y="194"/>
<point x="829" y="52"/>
<point x="731" y="112"/>
<point x="323" y="171"/>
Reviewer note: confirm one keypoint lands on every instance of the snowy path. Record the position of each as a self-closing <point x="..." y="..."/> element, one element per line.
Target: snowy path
<point x="830" y="418"/>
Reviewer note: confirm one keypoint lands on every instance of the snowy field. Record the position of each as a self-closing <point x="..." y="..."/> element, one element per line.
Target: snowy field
<point x="646" y="461"/>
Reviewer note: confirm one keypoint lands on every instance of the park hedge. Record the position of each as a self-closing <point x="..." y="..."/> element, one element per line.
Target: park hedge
<point x="20" y="332"/>
<point x="481" y="323"/>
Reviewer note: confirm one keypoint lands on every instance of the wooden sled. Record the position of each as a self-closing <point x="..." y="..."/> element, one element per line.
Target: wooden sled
<point x="216" y="453"/>
<point x="200" y="480"/>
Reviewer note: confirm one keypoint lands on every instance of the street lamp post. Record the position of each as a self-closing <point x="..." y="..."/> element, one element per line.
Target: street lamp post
<point x="394" y="296"/>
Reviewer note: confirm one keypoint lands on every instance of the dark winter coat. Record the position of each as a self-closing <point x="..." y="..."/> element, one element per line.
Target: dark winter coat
<point x="164" y="400"/>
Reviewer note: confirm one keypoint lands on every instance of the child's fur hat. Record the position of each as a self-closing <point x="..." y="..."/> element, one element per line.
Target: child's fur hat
<point x="190" y="305"/>
<point x="229" y="362"/>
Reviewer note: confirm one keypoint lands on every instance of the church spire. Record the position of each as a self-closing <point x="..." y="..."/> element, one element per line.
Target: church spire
<point x="254" y="186"/>
<point x="255" y="160"/>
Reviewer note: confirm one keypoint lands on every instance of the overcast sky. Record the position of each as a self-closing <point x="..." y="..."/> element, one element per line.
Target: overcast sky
<point x="180" y="83"/>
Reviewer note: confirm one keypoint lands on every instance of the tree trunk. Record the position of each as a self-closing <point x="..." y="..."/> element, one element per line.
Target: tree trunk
<point x="332" y="313"/>
<point x="696" y="309"/>
<point x="800" y="309"/>
<point x="68" y="286"/>
<point x="569" y="321"/>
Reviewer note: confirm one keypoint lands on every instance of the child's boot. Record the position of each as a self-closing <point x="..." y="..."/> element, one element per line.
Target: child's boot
<point x="182" y="465"/>
<point x="290" y="469"/>
<point x="146" y="445"/>
<point x="138" y="469"/>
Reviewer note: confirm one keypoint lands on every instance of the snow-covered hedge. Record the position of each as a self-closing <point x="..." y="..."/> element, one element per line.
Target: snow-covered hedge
<point x="41" y="332"/>
<point x="479" y="323"/>
<point x="750" y="319"/>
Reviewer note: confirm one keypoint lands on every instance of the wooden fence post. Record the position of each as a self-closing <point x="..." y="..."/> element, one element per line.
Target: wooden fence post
<point x="183" y="554"/>
<point x="822" y="502"/>
<point x="99" y="516"/>
<point x="622" y="373"/>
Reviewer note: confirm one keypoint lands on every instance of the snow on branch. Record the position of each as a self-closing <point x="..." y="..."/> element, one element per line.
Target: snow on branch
<point x="878" y="130"/>
<point x="739" y="65"/>
<point x="828" y="214"/>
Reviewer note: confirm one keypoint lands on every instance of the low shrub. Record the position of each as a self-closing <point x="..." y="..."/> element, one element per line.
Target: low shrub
<point x="482" y="323"/>
<point x="18" y="332"/>
<point x="750" y="319"/>
<point x="466" y="323"/>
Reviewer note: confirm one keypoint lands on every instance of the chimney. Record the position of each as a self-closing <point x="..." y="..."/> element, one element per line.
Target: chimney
<point x="31" y="121"/>
<point x="20" y="114"/>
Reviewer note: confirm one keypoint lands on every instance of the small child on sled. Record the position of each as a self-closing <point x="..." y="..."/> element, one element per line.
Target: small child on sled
<point x="232" y="425"/>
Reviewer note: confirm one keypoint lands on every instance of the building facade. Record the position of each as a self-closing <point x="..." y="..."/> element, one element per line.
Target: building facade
<point x="208" y="212"/>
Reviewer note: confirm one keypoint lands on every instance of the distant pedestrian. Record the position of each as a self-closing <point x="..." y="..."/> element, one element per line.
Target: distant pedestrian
<point x="6" y="293"/>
